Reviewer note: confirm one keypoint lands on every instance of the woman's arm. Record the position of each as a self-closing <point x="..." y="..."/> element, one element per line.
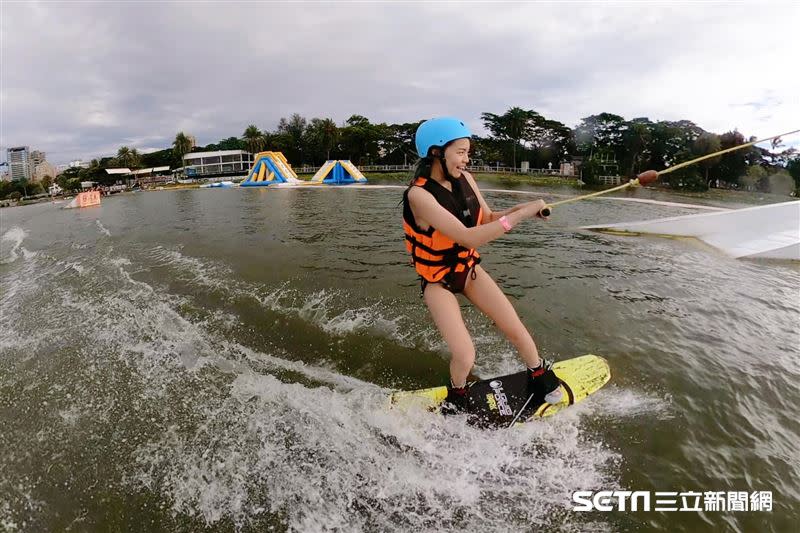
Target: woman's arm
<point x="488" y="214"/>
<point x="428" y="212"/>
<point x="495" y="215"/>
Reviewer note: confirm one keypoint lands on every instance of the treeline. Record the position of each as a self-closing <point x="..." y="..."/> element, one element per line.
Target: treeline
<point x="604" y="144"/>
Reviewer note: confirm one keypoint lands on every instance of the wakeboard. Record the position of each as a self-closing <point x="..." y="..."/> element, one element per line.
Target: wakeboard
<point x="497" y="401"/>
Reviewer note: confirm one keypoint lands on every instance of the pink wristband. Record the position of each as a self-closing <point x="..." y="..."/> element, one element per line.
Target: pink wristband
<point x="506" y="224"/>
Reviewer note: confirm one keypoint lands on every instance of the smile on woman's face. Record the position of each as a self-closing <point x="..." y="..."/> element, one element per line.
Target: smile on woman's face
<point x="456" y="157"/>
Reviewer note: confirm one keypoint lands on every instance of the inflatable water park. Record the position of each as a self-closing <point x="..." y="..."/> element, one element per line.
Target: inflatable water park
<point x="338" y="172"/>
<point x="272" y="168"/>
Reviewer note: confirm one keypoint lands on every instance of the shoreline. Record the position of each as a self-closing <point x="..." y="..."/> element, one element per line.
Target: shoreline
<point x="510" y="183"/>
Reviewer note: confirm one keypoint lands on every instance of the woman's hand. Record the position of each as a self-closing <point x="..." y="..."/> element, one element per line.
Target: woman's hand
<point x="533" y="209"/>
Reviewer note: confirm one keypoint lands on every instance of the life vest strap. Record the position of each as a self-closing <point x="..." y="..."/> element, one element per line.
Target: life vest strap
<point x="447" y="251"/>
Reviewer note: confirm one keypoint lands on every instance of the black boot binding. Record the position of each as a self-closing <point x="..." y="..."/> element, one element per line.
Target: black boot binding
<point x="457" y="400"/>
<point x="543" y="384"/>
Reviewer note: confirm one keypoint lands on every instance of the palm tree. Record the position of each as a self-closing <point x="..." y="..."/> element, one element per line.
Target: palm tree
<point x="124" y="157"/>
<point x="253" y="138"/>
<point x="181" y="146"/>
<point x="136" y="159"/>
<point x="324" y="133"/>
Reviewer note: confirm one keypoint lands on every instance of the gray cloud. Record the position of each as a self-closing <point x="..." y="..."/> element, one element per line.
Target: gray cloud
<point x="79" y="80"/>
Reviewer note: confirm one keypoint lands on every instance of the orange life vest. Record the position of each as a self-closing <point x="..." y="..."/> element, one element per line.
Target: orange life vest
<point x="434" y="254"/>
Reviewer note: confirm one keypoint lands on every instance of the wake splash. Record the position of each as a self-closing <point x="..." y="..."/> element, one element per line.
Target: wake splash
<point x="329" y="309"/>
<point x="223" y="433"/>
<point x="318" y="460"/>
<point x="11" y="243"/>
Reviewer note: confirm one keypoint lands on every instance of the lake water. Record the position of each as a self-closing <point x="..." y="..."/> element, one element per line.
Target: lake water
<point x="220" y="359"/>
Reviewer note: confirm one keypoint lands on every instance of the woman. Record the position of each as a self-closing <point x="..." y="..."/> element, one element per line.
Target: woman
<point x="445" y="219"/>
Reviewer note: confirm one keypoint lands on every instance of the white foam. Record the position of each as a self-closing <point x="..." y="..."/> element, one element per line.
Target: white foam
<point x="326" y="460"/>
<point x="239" y="443"/>
<point x="69" y="265"/>
<point x="616" y="402"/>
<point x="14" y="236"/>
<point x="325" y="308"/>
<point x="102" y="228"/>
<point x="213" y="275"/>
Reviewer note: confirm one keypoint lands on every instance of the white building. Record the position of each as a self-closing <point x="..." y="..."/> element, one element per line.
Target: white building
<point x="222" y="162"/>
<point x="19" y="162"/>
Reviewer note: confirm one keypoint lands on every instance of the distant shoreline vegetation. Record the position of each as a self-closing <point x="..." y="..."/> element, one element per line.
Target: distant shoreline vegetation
<point x="599" y="146"/>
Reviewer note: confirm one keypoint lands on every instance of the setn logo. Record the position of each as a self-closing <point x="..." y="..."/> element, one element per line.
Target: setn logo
<point x="626" y="500"/>
<point x="640" y="500"/>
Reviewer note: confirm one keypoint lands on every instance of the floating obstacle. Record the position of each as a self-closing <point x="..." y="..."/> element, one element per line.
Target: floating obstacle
<point x="84" y="199"/>
<point x="338" y="172"/>
<point x="270" y="168"/>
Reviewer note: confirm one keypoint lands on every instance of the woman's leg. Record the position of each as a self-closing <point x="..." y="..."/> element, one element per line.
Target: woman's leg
<point x="446" y="313"/>
<point x="487" y="296"/>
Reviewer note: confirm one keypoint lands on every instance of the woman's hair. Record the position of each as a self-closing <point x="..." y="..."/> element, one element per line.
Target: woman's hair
<point x="422" y="169"/>
<point x="424" y="165"/>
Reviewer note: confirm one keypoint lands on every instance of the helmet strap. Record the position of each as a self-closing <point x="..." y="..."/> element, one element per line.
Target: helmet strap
<point x="446" y="172"/>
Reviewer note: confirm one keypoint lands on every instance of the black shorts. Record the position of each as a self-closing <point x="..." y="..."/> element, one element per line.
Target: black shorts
<point x="453" y="281"/>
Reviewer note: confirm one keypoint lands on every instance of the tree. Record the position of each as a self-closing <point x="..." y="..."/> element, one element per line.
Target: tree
<point x="35" y="188"/>
<point x="793" y="166"/>
<point x="752" y="176"/>
<point x="600" y="131"/>
<point x="124" y="157"/>
<point x="777" y="182"/>
<point x="671" y="143"/>
<point x="396" y="145"/>
<point x="253" y="139"/>
<point x="486" y="150"/>
<point x="160" y="158"/>
<point x="322" y="137"/>
<point x="359" y="139"/>
<point x="591" y="170"/>
<point x="232" y="143"/>
<point x="707" y="143"/>
<point x="181" y="146"/>
<point x="70" y="179"/>
<point x="513" y="126"/>
<point x="732" y="165"/>
<point x="636" y="139"/>
<point x="550" y="140"/>
<point x="135" y="158"/>
<point x="328" y="136"/>
<point x="291" y="133"/>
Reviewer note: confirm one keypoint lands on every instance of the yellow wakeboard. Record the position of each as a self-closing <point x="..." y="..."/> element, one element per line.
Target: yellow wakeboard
<point x="497" y="401"/>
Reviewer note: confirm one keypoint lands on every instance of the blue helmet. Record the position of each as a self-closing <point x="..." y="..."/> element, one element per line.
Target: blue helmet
<point x="439" y="132"/>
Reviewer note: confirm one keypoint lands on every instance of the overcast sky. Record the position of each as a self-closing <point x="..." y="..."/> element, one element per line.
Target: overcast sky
<point x="79" y="80"/>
